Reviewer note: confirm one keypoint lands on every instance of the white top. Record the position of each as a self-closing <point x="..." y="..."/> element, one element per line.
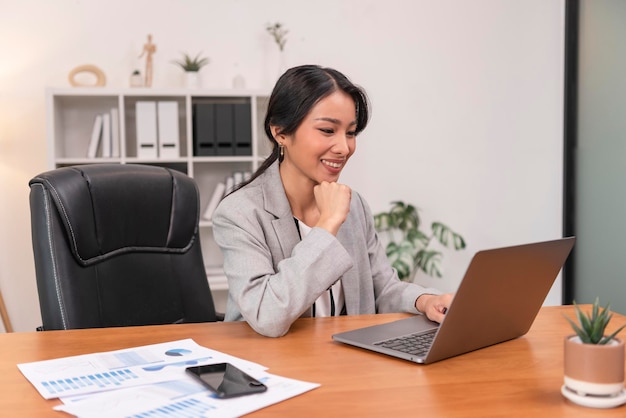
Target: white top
<point x="323" y="306"/>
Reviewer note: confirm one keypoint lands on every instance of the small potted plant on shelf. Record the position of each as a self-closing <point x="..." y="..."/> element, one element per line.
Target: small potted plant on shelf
<point x="135" y="79"/>
<point x="192" y="65"/>
<point x="593" y="361"/>
<point x="408" y="246"/>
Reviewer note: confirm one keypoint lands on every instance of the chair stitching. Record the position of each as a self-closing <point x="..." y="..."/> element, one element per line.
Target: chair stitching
<point x="63" y="211"/>
<point x="195" y="231"/>
<point x="55" y="274"/>
<point x="172" y="200"/>
<point x="93" y="212"/>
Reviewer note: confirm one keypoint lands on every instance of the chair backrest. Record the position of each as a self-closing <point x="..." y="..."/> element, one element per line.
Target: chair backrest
<point x="118" y="245"/>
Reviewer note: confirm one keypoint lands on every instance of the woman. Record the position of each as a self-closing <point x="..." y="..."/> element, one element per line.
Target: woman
<point x="295" y="241"/>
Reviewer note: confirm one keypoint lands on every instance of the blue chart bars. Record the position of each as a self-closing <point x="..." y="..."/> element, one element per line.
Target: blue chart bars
<point x="99" y="380"/>
<point x="185" y="408"/>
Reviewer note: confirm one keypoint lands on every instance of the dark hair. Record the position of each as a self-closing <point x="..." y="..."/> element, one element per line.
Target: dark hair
<point x="296" y="92"/>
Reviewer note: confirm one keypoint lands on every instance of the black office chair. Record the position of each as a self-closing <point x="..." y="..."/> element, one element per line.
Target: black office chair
<point x="118" y="245"/>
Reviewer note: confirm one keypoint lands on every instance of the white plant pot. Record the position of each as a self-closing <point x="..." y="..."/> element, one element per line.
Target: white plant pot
<point x="192" y="79"/>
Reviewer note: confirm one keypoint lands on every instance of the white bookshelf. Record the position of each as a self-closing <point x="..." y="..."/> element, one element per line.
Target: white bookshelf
<point x="70" y="118"/>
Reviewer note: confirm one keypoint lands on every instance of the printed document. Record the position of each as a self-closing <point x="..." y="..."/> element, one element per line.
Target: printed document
<point x="150" y="380"/>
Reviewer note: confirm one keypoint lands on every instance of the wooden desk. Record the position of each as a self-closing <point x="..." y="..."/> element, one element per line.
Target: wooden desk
<point x="522" y="377"/>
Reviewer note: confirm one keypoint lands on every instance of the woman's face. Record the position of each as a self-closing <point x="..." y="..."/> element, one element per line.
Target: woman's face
<point x="324" y="141"/>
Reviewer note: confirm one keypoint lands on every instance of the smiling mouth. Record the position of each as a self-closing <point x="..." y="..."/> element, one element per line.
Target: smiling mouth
<point x="332" y="164"/>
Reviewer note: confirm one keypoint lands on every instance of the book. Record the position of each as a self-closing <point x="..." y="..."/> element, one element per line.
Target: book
<point x="237" y="178"/>
<point x="115" y="132"/>
<point x="230" y="184"/>
<point x="96" y="131"/>
<point x="106" y="135"/>
<point x="218" y="193"/>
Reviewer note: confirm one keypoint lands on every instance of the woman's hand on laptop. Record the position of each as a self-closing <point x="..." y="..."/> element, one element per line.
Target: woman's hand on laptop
<point x="434" y="306"/>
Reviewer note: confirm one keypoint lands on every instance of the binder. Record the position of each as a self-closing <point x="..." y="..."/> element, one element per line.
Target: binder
<point x="204" y="129"/>
<point x="243" y="129"/>
<point x="224" y="128"/>
<point x="115" y="132"/>
<point x="106" y="135"/>
<point x="96" y="131"/>
<point x="168" y="129"/>
<point x="146" y="121"/>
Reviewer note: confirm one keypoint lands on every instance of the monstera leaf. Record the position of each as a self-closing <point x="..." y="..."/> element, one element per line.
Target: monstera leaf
<point x="408" y="246"/>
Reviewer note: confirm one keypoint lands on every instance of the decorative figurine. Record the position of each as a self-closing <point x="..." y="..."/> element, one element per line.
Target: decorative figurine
<point x="148" y="49"/>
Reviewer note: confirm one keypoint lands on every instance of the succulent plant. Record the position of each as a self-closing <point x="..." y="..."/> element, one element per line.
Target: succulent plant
<point x="591" y="326"/>
<point x="189" y="63"/>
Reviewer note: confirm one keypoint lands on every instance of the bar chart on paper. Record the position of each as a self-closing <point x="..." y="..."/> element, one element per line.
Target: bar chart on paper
<point x="60" y="387"/>
<point x="185" y="408"/>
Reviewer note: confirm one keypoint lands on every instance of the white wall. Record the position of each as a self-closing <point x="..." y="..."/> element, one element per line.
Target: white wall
<point x="467" y="101"/>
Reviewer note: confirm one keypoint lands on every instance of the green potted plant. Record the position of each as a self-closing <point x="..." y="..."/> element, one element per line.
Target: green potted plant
<point x="593" y="361"/>
<point x="408" y="246"/>
<point x="192" y="65"/>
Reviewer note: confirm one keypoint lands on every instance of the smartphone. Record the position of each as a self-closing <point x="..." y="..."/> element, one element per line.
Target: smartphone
<point x="225" y="380"/>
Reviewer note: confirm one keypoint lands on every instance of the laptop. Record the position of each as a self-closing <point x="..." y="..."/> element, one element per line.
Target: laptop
<point x="497" y="300"/>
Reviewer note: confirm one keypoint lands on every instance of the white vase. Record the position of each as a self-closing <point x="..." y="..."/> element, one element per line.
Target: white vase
<point x="239" y="82"/>
<point x="192" y="79"/>
<point x="282" y="63"/>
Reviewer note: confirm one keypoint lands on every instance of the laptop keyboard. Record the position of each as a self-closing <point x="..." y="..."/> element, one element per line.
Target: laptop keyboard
<point x="416" y="344"/>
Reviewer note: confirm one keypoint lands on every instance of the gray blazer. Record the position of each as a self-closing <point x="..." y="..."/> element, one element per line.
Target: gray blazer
<point x="274" y="278"/>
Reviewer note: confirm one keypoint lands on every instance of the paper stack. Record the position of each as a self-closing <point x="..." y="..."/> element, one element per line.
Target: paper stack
<point x="150" y="381"/>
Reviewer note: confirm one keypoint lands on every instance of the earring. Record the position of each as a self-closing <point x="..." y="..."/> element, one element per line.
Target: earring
<point x="281" y="151"/>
